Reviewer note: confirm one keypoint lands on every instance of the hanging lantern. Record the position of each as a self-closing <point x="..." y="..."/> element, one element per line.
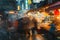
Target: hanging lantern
<point x="56" y="12"/>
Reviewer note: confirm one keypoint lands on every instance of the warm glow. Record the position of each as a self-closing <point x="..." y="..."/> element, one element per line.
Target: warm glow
<point x="47" y="7"/>
<point x="29" y="14"/>
<point x="58" y="17"/>
<point x="29" y="1"/>
<point x="11" y="12"/>
<point x="59" y="10"/>
<point x="58" y="28"/>
<point x="18" y="7"/>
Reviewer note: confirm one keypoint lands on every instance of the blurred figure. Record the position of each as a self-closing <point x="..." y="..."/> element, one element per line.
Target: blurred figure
<point x="3" y="29"/>
<point x="25" y="26"/>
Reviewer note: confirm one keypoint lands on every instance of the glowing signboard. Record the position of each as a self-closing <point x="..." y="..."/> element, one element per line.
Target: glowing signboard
<point x="36" y="1"/>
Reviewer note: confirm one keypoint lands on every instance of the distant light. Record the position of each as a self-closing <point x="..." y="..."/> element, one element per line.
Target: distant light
<point x="26" y="4"/>
<point x="47" y="7"/>
<point x="22" y="6"/>
<point x="58" y="17"/>
<point x="51" y="11"/>
<point x="29" y="1"/>
<point x="59" y="10"/>
<point x="18" y="7"/>
<point x="36" y="1"/>
<point x="29" y="14"/>
<point x="11" y="12"/>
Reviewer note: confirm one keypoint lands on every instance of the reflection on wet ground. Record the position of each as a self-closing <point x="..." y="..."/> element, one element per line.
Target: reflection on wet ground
<point x="46" y="36"/>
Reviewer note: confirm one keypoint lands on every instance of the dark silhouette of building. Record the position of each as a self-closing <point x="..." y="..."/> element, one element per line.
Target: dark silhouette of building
<point x="8" y="4"/>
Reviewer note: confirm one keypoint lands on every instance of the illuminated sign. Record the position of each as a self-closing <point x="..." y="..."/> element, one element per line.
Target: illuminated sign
<point x="29" y="1"/>
<point x="18" y="7"/>
<point x="12" y="12"/>
<point x="36" y="1"/>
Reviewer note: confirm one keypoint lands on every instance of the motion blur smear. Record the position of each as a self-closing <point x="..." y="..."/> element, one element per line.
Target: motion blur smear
<point x="29" y="19"/>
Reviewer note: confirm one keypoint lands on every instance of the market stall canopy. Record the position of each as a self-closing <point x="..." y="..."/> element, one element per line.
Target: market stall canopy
<point x="54" y="6"/>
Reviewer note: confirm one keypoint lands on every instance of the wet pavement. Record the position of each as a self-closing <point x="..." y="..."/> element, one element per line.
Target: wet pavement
<point x="4" y="35"/>
<point x="31" y="37"/>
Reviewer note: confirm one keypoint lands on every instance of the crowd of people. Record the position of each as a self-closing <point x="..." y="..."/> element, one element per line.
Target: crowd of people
<point x="34" y="22"/>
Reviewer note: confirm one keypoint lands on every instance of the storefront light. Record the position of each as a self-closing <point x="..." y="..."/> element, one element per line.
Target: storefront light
<point x="59" y="10"/>
<point x="58" y="17"/>
<point x="29" y="1"/>
<point x="47" y="7"/>
<point x="18" y="7"/>
<point x="11" y="12"/>
<point x="36" y="1"/>
<point x="56" y="12"/>
<point x="29" y="14"/>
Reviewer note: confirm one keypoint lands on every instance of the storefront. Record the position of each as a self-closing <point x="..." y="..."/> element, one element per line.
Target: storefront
<point x="55" y="10"/>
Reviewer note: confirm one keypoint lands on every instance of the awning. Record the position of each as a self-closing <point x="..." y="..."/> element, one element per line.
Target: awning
<point x="54" y="6"/>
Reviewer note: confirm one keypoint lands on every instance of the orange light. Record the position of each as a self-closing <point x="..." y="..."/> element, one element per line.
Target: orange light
<point x="11" y="12"/>
<point x="58" y="17"/>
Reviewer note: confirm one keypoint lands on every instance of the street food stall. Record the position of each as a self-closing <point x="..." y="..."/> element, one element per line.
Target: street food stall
<point x="38" y="19"/>
<point x="55" y="9"/>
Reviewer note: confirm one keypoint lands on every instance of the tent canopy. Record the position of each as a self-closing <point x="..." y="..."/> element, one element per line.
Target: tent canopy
<point x="54" y="6"/>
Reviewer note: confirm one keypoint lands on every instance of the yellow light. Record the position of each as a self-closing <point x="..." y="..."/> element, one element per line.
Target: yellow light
<point x="18" y="7"/>
<point x="29" y="1"/>
<point x="45" y="14"/>
<point x="58" y="17"/>
<point x="29" y="14"/>
<point x="38" y="13"/>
